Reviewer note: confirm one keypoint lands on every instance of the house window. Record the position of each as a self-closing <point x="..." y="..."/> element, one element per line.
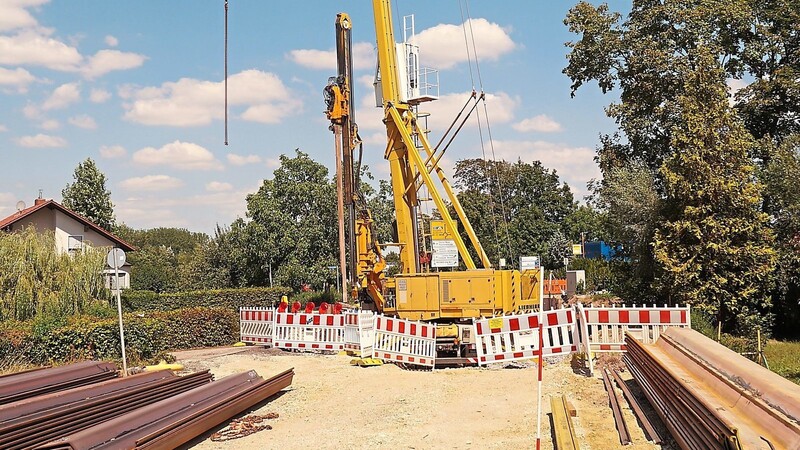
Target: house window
<point x="74" y="243"/>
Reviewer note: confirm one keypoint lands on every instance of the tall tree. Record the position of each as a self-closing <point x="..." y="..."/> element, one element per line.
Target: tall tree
<point x="88" y="195"/>
<point x="292" y="229"/>
<point x="715" y="249"/>
<point x="516" y="209"/>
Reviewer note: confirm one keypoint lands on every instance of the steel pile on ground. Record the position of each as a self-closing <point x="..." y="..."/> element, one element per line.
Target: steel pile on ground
<point x="27" y="423"/>
<point x="711" y="397"/>
<point x="647" y="425"/>
<point x="31" y="383"/>
<point x="613" y="402"/>
<point x="176" y="420"/>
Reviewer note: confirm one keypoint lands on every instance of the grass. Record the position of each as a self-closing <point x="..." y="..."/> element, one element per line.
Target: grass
<point x="784" y="359"/>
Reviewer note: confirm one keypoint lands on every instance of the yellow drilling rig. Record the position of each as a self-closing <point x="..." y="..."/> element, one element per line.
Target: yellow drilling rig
<point x="417" y="292"/>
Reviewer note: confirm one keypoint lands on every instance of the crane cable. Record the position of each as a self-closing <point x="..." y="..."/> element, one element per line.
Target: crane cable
<point x="489" y="130"/>
<point x="226" y="72"/>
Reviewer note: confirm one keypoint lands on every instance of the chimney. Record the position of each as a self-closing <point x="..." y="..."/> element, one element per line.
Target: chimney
<point x="39" y="200"/>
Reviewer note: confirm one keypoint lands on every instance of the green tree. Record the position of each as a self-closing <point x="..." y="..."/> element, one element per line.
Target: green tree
<point x="516" y="209"/>
<point x="292" y="232"/>
<point x="37" y="281"/>
<point x="154" y="268"/>
<point x="714" y="250"/>
<point x="88" y="195"/>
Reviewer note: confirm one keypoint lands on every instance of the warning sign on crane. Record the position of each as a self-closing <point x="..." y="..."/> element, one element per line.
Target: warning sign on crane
<point x="445" y="253"/>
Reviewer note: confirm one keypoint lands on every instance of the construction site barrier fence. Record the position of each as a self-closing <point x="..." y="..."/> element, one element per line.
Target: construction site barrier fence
<point x="256" y="325"/>
<point x="512" y="338"/>
<point x="404" y="341"/>
<point x="607" y="326"/>
<point x="309" y="332"/>
<point x="359" y="332"/>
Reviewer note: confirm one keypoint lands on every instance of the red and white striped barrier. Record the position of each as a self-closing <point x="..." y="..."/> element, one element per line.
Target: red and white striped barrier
<point x="309" y="331"/>
<point x="607" y="326"/>
<point x="512" y="338"/>
<point x="256" y="325"/>
<point x="359" y="332"/>
<point x="404" y="341"/>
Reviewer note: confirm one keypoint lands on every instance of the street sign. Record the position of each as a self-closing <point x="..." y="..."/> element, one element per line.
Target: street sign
<point x="444" y="254"/>
<point x="577" y="249"/>
<point x="528" y="263"/>
<point x="116" y="258"/>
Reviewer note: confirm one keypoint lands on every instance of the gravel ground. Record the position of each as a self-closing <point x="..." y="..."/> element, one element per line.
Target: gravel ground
<point x="333" y="405"/>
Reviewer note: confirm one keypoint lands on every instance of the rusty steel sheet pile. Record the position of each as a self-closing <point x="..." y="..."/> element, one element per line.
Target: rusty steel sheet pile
<point x="31" y="383"/>
<point x="27" y="423"/>
<point x="711" y="397"/>
<point x="177" y="419"/>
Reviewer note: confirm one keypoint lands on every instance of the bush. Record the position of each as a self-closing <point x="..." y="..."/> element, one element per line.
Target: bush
<point x="231" y="299"/>
<point x="147" y="335"/>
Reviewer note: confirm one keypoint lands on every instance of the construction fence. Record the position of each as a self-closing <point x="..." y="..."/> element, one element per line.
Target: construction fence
<point x="579" y="329"/>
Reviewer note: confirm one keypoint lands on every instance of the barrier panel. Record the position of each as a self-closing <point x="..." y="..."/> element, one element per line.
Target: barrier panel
<point x="404" y="341"/>
<point x="512" y="338"/>
<point x="607" y="325"/>
<point x="359" y="332"/>
<point x="256" y="325"/>
<point x="307" y="332"/>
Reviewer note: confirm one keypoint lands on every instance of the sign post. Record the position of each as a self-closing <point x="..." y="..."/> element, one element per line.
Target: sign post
<point x="116" y="259"/>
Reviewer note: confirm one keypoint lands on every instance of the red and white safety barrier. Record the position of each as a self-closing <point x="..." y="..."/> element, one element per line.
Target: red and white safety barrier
<point x="405" y="341"/>
<point x="309" y="331"/>
<point x="359" y="332"/>
<point x="256" y="325"/>
<point x="607" y="326"/>
<point x="512" y="338"/>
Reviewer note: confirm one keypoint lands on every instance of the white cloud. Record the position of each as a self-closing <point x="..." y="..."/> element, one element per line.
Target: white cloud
<point x="99" y="95"/>
<point x="7" y="203"/>
<point x="32" y="48"/>
<point x="218" y="186"/>
<point x="31" y="111"/>
<point x="41" y="141"/>
<point x="18" y="78"/>
<point x="50" y="124"/>
<point x="442" y="46"/>
<point x="62" y="97"/>
<point x="363" y="57"/>
<point x="3" y="128"/>
<point x="112" y="151"/>
<point x="192" y="102"/>
<point x="541" y="123"/>
<point x="575" y="165"/>
<point x="238" y="160"/>
<point x="83" y="121"/>
<point x="106" y="61"/>
<point x="13" y="14"/>
<point x="111" y="41"/>
<point x="180" y="155"/>
<point x="151" y="183"/>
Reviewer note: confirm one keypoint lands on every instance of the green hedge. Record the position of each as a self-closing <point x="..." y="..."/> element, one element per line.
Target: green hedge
<point x="147" y="336"/>
<point x="232" y="299"/>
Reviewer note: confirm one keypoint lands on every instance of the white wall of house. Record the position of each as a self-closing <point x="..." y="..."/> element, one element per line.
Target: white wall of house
<point x="66" y="226"/>
<point x="124" y="277"/>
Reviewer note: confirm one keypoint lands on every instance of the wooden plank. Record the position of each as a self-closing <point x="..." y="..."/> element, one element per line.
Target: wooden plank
<point x="563" y="428"/>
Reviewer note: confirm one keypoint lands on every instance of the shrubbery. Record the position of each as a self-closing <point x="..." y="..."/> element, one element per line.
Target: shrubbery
<point x="231" y="299"/>
<point x="147" y="335"/>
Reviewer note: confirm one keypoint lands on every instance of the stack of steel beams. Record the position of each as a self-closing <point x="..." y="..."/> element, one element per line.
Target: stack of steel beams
<point x="84" y="406"/>
<point x="36" y="420"/>
<point x="176" y="420"/>
<point x="28" y="384"/>
<point x="711" y="397"/>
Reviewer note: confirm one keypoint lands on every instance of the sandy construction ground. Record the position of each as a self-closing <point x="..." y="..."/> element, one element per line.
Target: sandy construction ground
<point x="333" y="405"/>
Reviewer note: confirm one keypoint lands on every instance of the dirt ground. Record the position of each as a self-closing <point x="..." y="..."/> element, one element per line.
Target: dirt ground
<point x="333" y="405"/>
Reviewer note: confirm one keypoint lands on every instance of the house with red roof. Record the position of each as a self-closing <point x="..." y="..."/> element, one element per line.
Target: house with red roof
<point x="72" y="233"/>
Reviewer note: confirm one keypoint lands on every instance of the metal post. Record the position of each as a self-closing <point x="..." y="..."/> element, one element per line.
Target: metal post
<point x="541" y="361"/>
<point x="121" y="331"/>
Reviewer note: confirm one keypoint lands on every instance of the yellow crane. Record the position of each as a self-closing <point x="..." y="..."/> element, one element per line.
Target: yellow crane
<point x="447" y="297"/>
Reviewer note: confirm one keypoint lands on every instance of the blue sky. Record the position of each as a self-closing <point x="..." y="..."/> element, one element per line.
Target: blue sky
<point x="136" y="86"/>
